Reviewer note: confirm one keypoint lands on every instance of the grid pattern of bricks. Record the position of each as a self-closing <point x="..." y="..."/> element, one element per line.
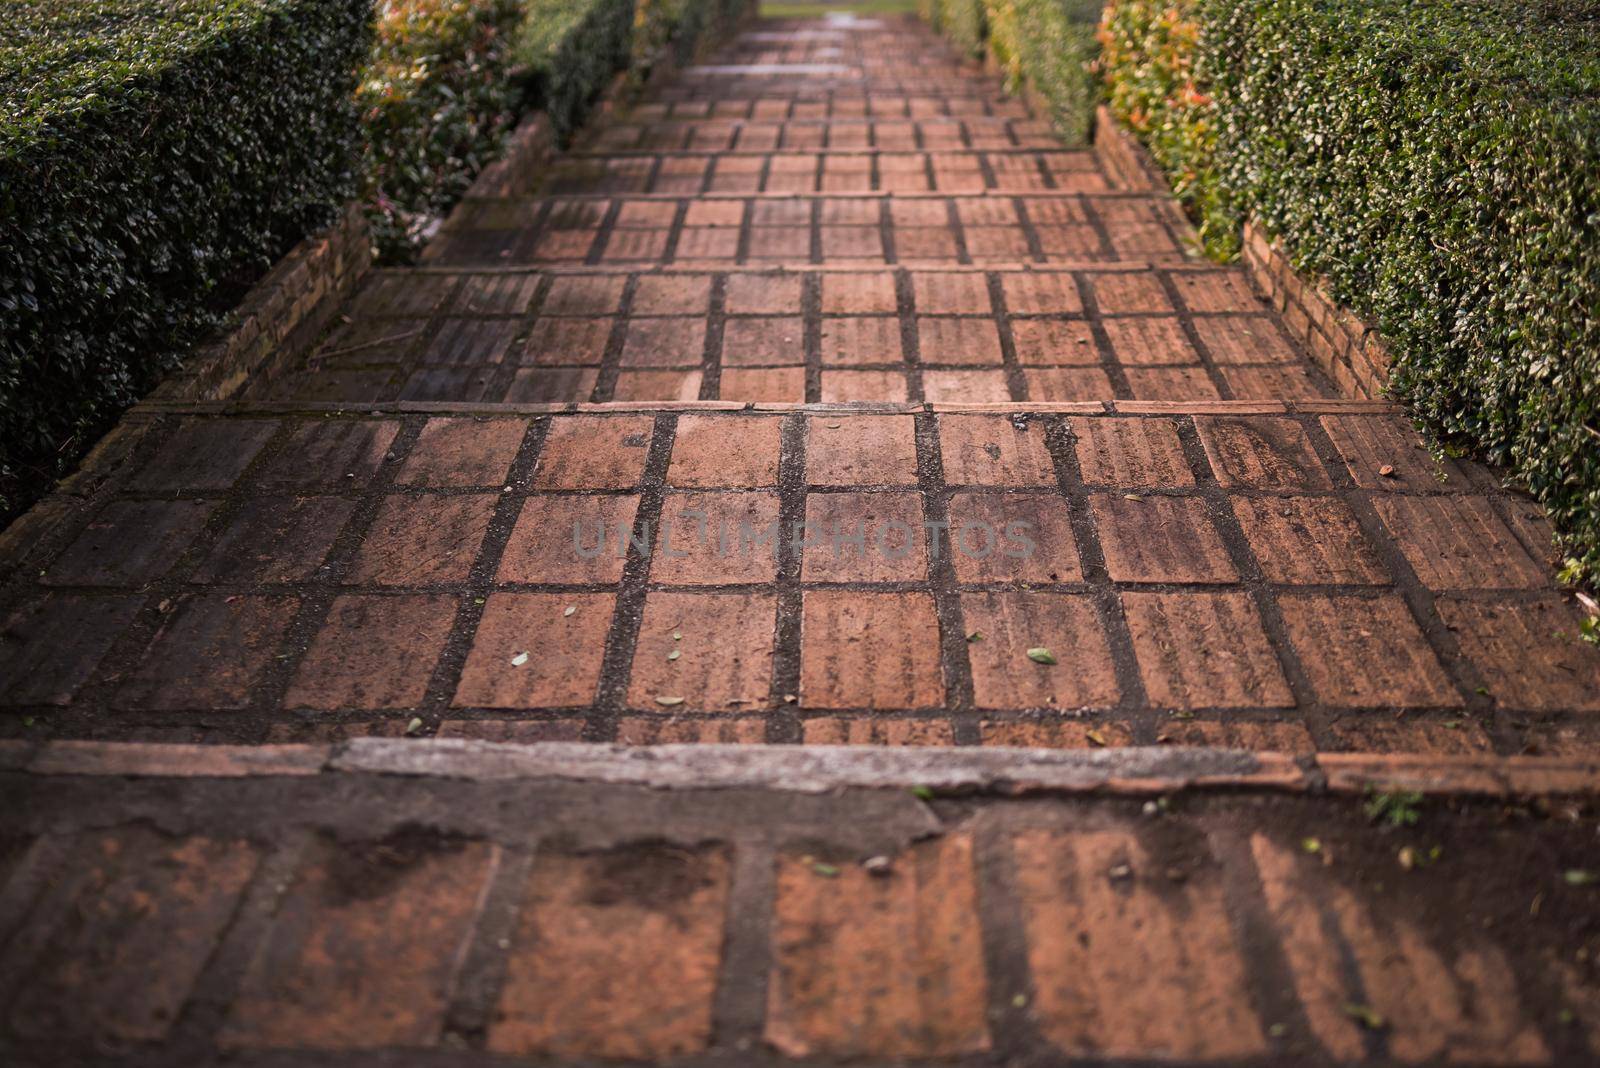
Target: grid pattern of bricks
<point x="573" y="925"/>
<point x="719" y="228"/>
<point x="1312" y="575"/>
<point x="828" y="335"/>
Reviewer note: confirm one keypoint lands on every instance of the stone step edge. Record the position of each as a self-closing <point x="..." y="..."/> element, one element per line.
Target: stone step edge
<point x="1133" y="772"/>
<point x="1326" y="406"/>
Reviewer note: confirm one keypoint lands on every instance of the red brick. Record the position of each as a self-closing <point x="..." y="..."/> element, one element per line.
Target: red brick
<point x="765" y="385"/>
<point x="1011" y="537"/>
<point x="846" y="294"/>
<point x="1125" y="293"/>
<point x="584" y="295"/>
<point x="1036" y="293"/>
<point x="1130" y="452"/>
<point x="838" y="730"/>
<point x="763" y="341"/>
<point x="1530" y="655"/>
<point x="780" y="243"/>
<point x="861" y="340"/>
<point x="1138" y="966"/>
<point x="726" y="451"/>
<point x="569" y="540"/>
<point x="657" y="386"/>
<point x="664" y="343"/>
<point x="210" y="653"/>
<point x="1008" y="624"/>
<point x="665" y="730"/>
<point x="567" y="341"/>
<point x="463" y="452"/>
<point x="893" y="544"/>
<point x="1456" y="543"/>
<point x="491" y="294"/>
<point x="1255" y="734"/>
<point x="1068" y="384"/>
<point x="1069" y="243"/>
<point x="1308" y="541"/>
<point x="1261" y="452"/>
<point x="1364" y="652"/>
<point x="1274" y="382"/>
<point x="993" y="450"/>
<point x="49" y="648"/>
<point x="594" y="452"/>
<point x="1245" y="340"/>
<point x="333" y="452"/>
<point x="147" y="913"/>
<point x="1161" y="539"/>
<point x="709" y="539"/>
<point x="869" y="650"/>
<point x="564" y="651"/>
<point x="672" y="294"/>
<point x="574" y="988"/>
<point x="762" y="294"/>
<point x="846" y="386"/>
<point x="204" y="455"/>
<point x="1075" y="733"/>
<point x="861" y="450"/>
<point x="958" y="341"/>
<point x="1215" y="291"/>
<point x="1368" y="444"/>
<point x="417" y="541"/>
<point x="1054" y="342"/>
<point x="373" y="652"/>
<point x="1181" y="384"/>
<point x="130" y="543"/>
<point x="951" y="293"/>
<point x="879" y="967"/>
<point x="1204" y="650"/>
<point x="624" y="246"/>
<point x="545" y="385"/>
<point x="1150" y="341"/>
<point x="1382" y="734"/>
<point x="365" y="946"/>
<point x="965" y="387"/>
<point x="711" y="650"/>
<point x="1463" y="1008"/>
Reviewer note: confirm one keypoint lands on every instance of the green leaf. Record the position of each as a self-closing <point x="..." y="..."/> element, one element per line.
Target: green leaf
<point x="1040" y="655"/>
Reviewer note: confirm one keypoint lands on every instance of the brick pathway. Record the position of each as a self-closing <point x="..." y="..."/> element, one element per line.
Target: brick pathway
<point x="207" y="906"/>
<point x="831" y="279"/>
<point x="381" y="539"/>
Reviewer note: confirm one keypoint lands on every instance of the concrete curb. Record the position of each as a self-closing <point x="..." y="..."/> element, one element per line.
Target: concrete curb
<point x="820" y="769"/>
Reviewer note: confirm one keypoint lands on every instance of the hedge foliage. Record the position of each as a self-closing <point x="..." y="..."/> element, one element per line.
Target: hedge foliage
<point x="1438" y="162"/>
<point x="436" y="106"/>
<point x="1048" y="46"/>
<point x="155" y="157"/>
<point x="566" y="52"/>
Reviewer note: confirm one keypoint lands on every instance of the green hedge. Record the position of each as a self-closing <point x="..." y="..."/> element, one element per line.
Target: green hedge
<point x="436" y="105"/>
<point x="567" y="51"/>
<point x="1438" y="162"/>
<point x="155" y="157"/>
<point x="1049" y="46"/>
<point x="963" y="22"/>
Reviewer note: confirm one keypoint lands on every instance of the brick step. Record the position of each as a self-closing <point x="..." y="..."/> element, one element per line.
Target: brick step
<point x="949" y="335"/>
<point x="463" y="905"/>
<point x="1295" y="581"/>
<point x="1054" y="226"/>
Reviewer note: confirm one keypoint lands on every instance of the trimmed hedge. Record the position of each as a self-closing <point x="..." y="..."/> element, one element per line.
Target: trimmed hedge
<point x="566" y="52"/>
<point x="155" y="157"/>
<point x="1438" y="162"/>
<point x="1049" y="46"/>
<point x="436" y="106"/>
<point x="1046" y="45"/>
<point x="963" y="22"/>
